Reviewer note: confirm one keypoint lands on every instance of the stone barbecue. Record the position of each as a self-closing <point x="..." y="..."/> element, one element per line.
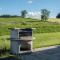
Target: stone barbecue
<point x="20" y="40"/>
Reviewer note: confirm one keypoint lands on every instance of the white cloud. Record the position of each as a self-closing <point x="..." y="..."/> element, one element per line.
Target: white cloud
<point x="35" y="15"/>
<point x="29" y="1"/>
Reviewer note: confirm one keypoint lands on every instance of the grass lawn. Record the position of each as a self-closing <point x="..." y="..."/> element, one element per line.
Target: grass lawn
<point x="41" y="40"/>
<point x="46" y="39"/>
<point x="46" y="33"/>
<point x="54" y="20"/>
<point x="41" y="27"/>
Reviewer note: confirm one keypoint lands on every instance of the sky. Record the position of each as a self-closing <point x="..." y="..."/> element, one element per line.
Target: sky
<point x="14" y="7"/>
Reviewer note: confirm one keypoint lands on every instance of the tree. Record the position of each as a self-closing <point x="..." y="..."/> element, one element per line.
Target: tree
<point x="58" y="15"/>
<point x="8" y="16"/>
<point x="5" y="16"/>
<point x="44" y="14"/>
<point x="23" y="13"/>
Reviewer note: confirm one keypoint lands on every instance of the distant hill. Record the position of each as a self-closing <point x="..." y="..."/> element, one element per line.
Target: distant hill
<point x="41" y="27"/>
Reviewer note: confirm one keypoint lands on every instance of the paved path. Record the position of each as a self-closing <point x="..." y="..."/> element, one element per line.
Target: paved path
<point x="47" y="53"/>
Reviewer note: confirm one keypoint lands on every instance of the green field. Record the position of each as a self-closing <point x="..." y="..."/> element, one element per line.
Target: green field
<point x="54" y="20"/>
<point x="46" y="39"/>
<point x="46" y="33"/>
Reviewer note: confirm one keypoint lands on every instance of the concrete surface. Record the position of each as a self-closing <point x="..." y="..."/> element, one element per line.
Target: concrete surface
<point x="47" y="53"/>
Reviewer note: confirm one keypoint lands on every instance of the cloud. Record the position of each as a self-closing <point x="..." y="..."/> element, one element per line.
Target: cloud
<point x="35" y="15"/>
<point x="29" y="1"/>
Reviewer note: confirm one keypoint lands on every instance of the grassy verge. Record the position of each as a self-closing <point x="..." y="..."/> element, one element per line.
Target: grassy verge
<point x="4" y="42"/>
<point x="46" y="39"/>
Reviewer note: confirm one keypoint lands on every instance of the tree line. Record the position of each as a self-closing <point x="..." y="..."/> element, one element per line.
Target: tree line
<point x="44" y="15"/>
<point x="8" y="16"/>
